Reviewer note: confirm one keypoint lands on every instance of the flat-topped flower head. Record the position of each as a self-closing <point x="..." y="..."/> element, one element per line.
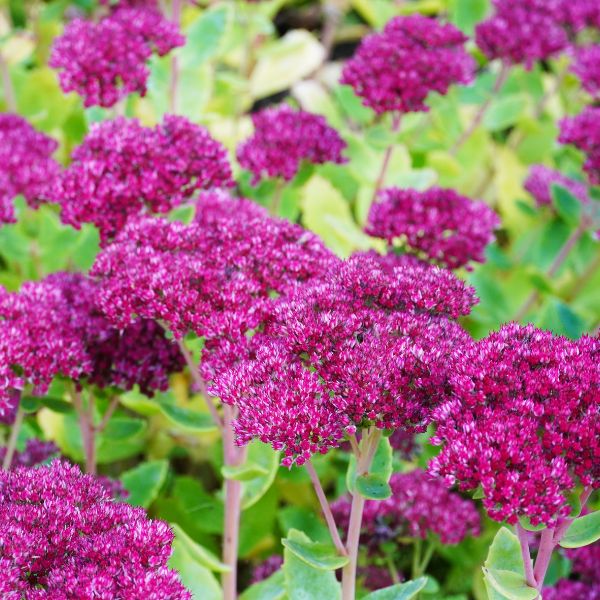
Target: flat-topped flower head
<point x="583" y="132"/>
<point x="123" y="169"/>
<point x="397" y="69"/>
<point x="284" y="138"/>
<point x="587" y="67"/>
<point x="53" y="327"/>
<point x="576" y="15"/>
<point x="63" y="536"/>
<point x="523" y="423"/>
<point x="584" y="566"/>
<point x="35" y="453"/>
<point x="214" y="279"/>
<point x="26" y="164"/>
<point x="420" y="506"/>
<point x="217" y="205"/>
<point x="104" y="62"/>
<point x="438" y="224"/>
<point x="523" y="31"/>
<point x="540" y="180"/>
<point x="365" y="347"/>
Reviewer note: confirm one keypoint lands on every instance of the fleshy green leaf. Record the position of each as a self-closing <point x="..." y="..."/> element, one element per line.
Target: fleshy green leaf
<point x="145" y="481"/>
<point x="380" y="467"/>
<point x="373" y="487"/>
<point x="510" y="585"/>
<point x="123" y="428"/>
<point x="188" y="419"/>
<point x="400" y="591"/>
<point x="304" y="582"/>
<point x="583" y="531"/>
<point x="197" y="552"/>
<point x="245" y="472"/>
<point x="263" y="457"/>
<point x="316" y="554"/>
<point x="272" y="588"/>
<point x="566" y="205"/>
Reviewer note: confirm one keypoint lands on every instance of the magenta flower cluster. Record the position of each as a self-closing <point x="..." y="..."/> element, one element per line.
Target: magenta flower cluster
<point x="397" y="69"/>
<point x="419" y="507"/>
<point x="365" y="347"/>
<point x="587" y="67"/>
<point x="583" y="132"/>
<point x="540" y="180"/>
<point x="213" y="279"/>
<point x="437" y="224"/>
<point x="523" y="31"/>
<point x="284" y="138"/>
<point x="266" y="568"/>
<point x="53" y="327"/>
<point x="523" y="423"/>
<point x="584" y="566"/>
<point x="26" y="164"/>
<point x="123" y="169"/>
<point x="105" y="61"/>
<point x="63" y="536"/>
<point x="35" y="453"/>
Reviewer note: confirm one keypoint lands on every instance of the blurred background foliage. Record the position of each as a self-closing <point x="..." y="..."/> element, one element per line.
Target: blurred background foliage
<point x="240" y="57"/>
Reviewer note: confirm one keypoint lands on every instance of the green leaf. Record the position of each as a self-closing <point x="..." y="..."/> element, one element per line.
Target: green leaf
<point x="245" y="472"/>
<point x="145" y="481"/>
<point x="465" y="14"/>
<point x="400" y="591"/>
<point x="139" y="403"/>
<point x="380" y="467"/>
<point x="510" y="585"/>
<point x="566" y="205"/>
<point x="188" y="419"/>
<point x="373" y="487"/>
<point x="316" y="554"/>
<point x="260" y="456"/>
<point x="195" y="577"/>
<point x="505" y="553"/>
<point x="526" y="524"/>
<point x="304" y="582"/>
<point x="123" y="428"/>
<point x="582" y="531"/>
<point x="205" y="37"/>
<point x="198" y="553"/>
<point x="272" y="588"/>
<point x="504" y="111"/>
<point x="57" y="405"/>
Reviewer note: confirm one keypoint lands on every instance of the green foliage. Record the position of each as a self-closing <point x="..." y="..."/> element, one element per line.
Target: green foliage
<point x="400" y="591"/>
<point x="144" y="482"/>
<point x="582" y="531"/>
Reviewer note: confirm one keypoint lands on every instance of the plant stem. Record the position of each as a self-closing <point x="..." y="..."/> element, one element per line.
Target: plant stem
<point x="416" y="557"/>
<point x="200" y="383"/>
<point x="393" y="571"/>
<point x="386" y="160"/>
<point x="176" y="18"/>
<point x="86" y="426"/>
<point x="114" y="402"/>
<point x="233" y="456"/>
<point x="277" y="194"/>
<point x="12" y="440"/>
<point x="522" y="535"/>
<point x="543" y="557"/>
<point x="9" y="91"/>
<point x="368" y="444"/>
<point x="466" y="134"/>
<point x="425" y="562"/>
<point x="554" y="267"/>
<point x="333" y="530"/>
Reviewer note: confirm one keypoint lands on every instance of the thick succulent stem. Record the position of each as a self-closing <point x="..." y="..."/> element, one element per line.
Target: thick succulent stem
<point x="88" y="434"/>
<point x="12" y="440"/>
<point x="544" y="555"/>
<point x="368" y="446"/>
<point x="529" y="577"/>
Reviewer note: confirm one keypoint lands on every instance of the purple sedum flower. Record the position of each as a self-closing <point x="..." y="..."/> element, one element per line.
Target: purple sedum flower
<point x="540" y="180"/>
<point x="583" y="132"/>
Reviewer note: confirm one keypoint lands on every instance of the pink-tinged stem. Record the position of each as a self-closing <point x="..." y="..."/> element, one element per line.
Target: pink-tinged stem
<point x="176" y="18"/>
<point x="544" y="555"/>
<point x="368" y="444"/>
<point x="386" y="160"/>
<point x="467" y="133"/>
<point x="9" y="90"/>
<point x="12" y="440"/>
<point x="233" y="457"/>
<point x="114" y="402"/>
<point x="529" y="577"/>
<point x="564" y="524"/>
<point x="86" y="426"/>
<point x="326" y="509"/>
<point x="200" y="383"/>
<point x="554" y="267"/>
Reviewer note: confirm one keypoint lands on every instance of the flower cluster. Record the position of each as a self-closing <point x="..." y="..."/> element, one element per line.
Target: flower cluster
<point x="35" y="453"/>
<point x="213" y="207"/>
<point x="442" y="225"/>
<point x="587" y="68"/>
<point x="419" y="506"/>
<point x="397" y="69"/>
<point x="214" y="279"/>
<point x="284" y="138"/>
<point x="266" y="568"/>
<point x="53" y="327"/>
<point x="123" y="169"/>
<point x="540" y="180"/>
<point x="366" y="347"/>
<point x="583" y="131"/>
<point x="524" y="423"/>
<point x="585" y="563"/>
<point x="26" y="164"/>
<point x="576" y="15"/>
<point x="104" y="62"/>
<point x="63" y="536"/>
<point x="523" y="31"/>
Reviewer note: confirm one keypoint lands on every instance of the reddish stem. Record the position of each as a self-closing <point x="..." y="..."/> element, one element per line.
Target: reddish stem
<point x="12" y="440"/>
<point x="544" y="555"/>
<point x="529" y="576"/>
<point x="86" y="426"/>
<point x="386" y="160"/>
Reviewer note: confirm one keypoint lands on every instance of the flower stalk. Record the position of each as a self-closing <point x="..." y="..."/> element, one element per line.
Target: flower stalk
<point x="86" y="426"/>
<point x="12" y="440"/>
<point x="386" y="159"/>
